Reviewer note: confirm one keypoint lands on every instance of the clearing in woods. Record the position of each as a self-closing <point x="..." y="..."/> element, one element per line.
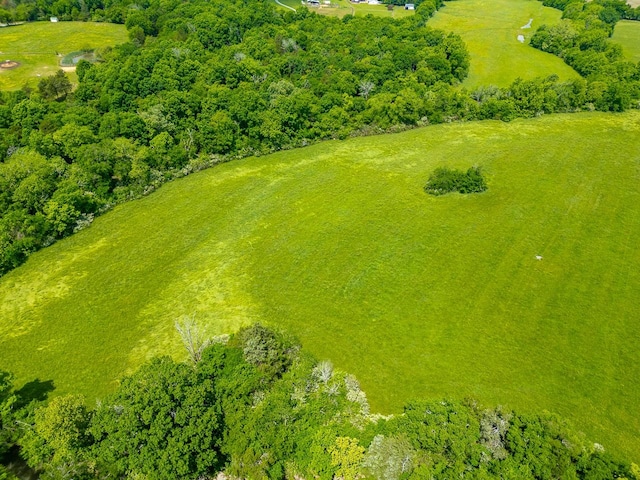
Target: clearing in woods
<point x="490" y="29"/>
<point x="340" y="8"/>
<point x="627" y="34"/>
<point x="419" y="296"/>
<point x="39" y="46"/>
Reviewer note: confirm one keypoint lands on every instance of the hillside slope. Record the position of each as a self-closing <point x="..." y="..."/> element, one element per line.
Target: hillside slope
<point x="490" y="29"/>
<point x="338" y="243"/>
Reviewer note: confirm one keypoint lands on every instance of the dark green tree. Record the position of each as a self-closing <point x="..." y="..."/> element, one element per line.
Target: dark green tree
<point x="55" y="86"/>
<point x="162" y="422"/>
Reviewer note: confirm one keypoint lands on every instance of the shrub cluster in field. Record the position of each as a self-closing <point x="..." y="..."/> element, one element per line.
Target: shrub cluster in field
<point x="445" y="180"/>
<point x="256" y="406"/>
<point x="204" y="81"/>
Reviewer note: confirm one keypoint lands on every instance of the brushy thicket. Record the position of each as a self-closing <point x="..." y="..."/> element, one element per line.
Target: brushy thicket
<point x="256" y="406"/>
<point x="446" y="180"/>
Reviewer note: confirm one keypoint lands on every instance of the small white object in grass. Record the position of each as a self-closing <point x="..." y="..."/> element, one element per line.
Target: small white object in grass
<point x="538" y="257"/>
<point x="528" y="25"/>
<point x="521" y="38"/>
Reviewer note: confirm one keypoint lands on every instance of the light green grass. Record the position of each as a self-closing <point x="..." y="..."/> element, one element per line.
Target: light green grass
<point x="36" y="45"/>
<point x="627" y="34"/>
<point x="419" y="296"/>
<point x="490" y="29"/>
<point x="340" y="8"/>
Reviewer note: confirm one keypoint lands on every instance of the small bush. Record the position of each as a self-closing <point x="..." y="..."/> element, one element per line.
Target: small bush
<point x="446" y="180"/>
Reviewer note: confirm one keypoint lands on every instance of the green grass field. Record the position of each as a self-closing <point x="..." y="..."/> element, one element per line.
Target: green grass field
<point x="36" y="45"/>
<point x="627" y="34"/>
<point x="340" y="8"/>
<point x="337" y="243"/>
<point x="490" y="29"/>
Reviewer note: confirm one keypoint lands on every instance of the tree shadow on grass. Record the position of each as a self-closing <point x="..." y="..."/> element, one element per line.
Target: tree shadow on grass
<point x="35" y="390"/>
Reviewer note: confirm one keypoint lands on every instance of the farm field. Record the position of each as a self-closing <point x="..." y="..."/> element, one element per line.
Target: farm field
<point x="337" y="243"/>
<point x="36" y="45"/>
<point x="490" y="29"/>
<point x="340" y="8"/>
<point x="627" y="34"/>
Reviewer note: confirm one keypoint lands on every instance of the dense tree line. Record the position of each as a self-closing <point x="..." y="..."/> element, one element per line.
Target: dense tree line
<point x="611" y="11"/>
<point x="256" y="406"/>
<point x="201" y="82"/>
<point x="581" y="40"/>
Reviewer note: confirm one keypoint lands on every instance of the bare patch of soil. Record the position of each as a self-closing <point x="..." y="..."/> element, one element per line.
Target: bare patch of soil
<point x="9" y="64"/>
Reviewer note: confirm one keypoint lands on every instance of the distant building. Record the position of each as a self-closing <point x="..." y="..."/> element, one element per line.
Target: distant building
<point x="54" y="19"/>
<point x="410" y="6"/>
<point x="313" y="3"/>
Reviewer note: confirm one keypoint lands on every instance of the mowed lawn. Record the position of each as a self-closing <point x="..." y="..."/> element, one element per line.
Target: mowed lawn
<point x="490" y="29"/>
<point x="38" y="47"/>
<point x="337" y="243"/>
<point x="627" y="34"/>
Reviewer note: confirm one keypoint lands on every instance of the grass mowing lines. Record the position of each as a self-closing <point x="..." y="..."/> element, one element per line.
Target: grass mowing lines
<point x="490" y="30"/>
<point x="627" y="34"/>
<point x="419" y="296"/>
<point x="36" y="47"/>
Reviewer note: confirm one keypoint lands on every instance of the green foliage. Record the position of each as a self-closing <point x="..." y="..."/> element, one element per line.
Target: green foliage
<point x="272" y="81"/>
<point x="446" y="180"/>
<point x="171" y="420"/>
<point x="161" y="422"/>
<point x="346" y="456"/>
<point x="7" y="401"/>
<point x="389" y="458"/>
<point x="582" y="41"/>
<point x="272" y="353"/>
<point x="58" y="436"/>
<point x="189" y="90"/>
<point x="265" y="241"/>
<point x="55" y="86"/>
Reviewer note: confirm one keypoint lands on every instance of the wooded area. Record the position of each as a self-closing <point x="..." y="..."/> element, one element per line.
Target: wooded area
<point x="257" y="406"/>
<point x="204" y="82"/>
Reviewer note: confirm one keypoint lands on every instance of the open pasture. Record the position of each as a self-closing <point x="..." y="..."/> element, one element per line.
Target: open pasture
<point x="38" y="47"/>
<point x="490" y="29"/>
<point x="627" y="34"/>
<point x="340" y="8"/>
<point x="419" y="296"/>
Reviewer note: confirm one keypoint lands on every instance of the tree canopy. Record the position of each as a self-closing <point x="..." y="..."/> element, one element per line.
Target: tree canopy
<point x="258" y="406"/>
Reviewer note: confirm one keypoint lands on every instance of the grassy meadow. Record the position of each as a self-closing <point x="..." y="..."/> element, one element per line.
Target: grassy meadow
<point x="490" y="29"/>
<point x="627" y="34"/>
<point x="340" y="8"/>
<point x="37" y="46"/>
<point x="337" y="243"/>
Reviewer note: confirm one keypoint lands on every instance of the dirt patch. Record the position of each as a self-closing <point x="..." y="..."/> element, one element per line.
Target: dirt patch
<point x="634" y="3"/>
<point x="9" y="64"/>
